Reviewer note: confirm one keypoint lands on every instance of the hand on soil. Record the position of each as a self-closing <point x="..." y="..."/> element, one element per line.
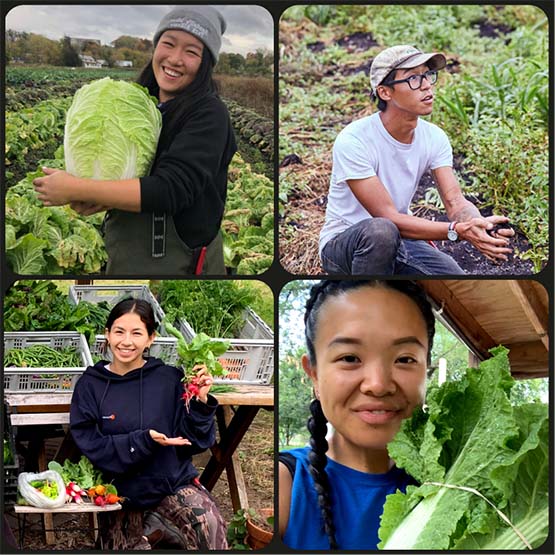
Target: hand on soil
<point x="494" y="247"/>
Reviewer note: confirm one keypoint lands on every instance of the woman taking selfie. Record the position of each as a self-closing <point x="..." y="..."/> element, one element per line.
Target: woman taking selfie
<point x="368" y="348"/>
<point x="168" y="222"/>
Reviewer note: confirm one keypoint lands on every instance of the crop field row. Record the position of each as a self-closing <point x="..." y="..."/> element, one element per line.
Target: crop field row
<point x="57" y="240"/>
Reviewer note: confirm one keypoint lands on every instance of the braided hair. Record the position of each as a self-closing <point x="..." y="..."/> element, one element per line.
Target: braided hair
<point x="317" y="422"/>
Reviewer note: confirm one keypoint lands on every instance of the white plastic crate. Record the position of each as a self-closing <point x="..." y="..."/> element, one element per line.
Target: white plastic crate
<point x="255" y="327"/>
<point x="249" y="359"/>
<point x="112" y="294"/>
<point x="164" y="348"/>
<point x="46" y="380"/>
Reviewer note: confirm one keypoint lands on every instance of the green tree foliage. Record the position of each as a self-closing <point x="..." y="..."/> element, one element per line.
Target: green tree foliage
<point x="295" y="389"/>
<point x="295" y="394"/>
<point x="70" y="57"/>
<point x="259" y="63"/>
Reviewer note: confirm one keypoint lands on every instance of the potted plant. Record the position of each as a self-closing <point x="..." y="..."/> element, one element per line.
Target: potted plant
<point x="260" y="528"/>
<point x="249" y="529"/>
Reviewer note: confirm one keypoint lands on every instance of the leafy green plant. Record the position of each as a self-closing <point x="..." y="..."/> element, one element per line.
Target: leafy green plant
<point x="32" y="305"/>
<point x="201" y="350"/>
<point x="237" y="529"/>
<point x="248" y="223"/>
<point x="82" y="472"/>
<point x="320" y="14"/>
<point x="50" y="240"/>
<point x="213" y="307"/>
<point x="475" y="456"/>
<point x="8" y="455"/>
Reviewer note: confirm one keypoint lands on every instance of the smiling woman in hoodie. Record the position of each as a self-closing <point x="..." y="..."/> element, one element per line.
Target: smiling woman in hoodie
<point x="128" y="418"/>
<point x="368" y="348"/>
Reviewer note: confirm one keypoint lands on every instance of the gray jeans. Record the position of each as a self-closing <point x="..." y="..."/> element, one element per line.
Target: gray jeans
<point x="375" y="247"/>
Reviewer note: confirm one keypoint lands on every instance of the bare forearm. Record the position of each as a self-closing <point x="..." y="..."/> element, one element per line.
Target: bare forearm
<point x="463" y="212"/>
<point x="122" y="194"/>
<point x="412" y="227"/>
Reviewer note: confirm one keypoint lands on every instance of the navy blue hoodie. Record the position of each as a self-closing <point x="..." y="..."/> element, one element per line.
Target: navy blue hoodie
<point x="111" y="416"/>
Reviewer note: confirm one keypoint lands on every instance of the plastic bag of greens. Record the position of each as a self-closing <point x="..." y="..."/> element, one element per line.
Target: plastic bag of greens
<point x="45" y="490"/>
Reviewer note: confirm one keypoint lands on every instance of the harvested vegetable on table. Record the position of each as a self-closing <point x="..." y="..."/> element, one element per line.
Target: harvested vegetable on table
<point x="46" y="487"/>
<point x="482" y="463"/>
<point x="82" y="473"/>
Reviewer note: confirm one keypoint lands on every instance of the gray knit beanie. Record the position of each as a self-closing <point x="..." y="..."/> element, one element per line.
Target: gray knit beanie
<point x="203" y="22"/>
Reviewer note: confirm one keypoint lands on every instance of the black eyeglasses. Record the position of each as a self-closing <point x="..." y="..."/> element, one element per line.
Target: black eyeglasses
<point x="415" y="81"/>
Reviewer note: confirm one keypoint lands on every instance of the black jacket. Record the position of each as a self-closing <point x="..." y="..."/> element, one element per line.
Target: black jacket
<point x="110" y="419"/>
<point x="188" y="179"/>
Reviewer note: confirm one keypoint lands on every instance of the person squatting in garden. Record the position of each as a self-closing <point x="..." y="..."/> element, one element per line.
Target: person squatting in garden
<point x="168" y="221"/>
<point x="128" y="417"/>
<point x="377" y="164"/>
<point x="368" y="348"/>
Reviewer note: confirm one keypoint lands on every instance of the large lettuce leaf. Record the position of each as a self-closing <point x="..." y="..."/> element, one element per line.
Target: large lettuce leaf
<point x="111" y="131"/>
<point x="471" y="436"/>
<point x="50" y="240"/>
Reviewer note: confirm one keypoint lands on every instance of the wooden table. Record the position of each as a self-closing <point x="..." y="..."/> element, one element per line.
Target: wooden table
<point x="236" y="411"/>
<point x="69" y="508"/>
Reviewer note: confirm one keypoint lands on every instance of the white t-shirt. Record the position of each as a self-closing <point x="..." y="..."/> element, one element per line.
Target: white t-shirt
<point x="364" y="149"/>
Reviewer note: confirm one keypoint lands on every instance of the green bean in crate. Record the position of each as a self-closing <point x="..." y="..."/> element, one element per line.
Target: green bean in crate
<point x="27" y="372"/>
<point x="42" y="356"/>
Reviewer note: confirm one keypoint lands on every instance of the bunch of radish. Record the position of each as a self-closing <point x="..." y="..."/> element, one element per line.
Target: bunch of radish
<point x="201" y="351"/>
<point x="74" y="493"/>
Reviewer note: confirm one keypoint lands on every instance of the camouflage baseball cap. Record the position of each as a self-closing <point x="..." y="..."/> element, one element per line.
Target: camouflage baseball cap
<point x="401" y="57"/>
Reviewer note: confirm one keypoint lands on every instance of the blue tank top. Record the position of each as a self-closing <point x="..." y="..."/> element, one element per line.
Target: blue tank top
<point x="357" y="504"/>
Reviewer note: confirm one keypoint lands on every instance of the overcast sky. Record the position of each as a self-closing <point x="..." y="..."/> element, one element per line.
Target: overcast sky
<point x="248" y="27"/>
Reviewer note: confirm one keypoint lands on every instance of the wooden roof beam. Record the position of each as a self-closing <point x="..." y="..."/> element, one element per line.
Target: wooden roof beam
<point x="459" y="318"/>
<point x="533" y="308"/>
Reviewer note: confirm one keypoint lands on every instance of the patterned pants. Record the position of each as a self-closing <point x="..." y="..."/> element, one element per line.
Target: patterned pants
<point x="190" y="519"/>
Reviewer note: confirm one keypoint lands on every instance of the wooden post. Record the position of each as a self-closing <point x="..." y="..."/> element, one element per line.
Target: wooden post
<point x="473" y="360"/>
<point x="234" y="472"/>
<point x="48" y="519"/>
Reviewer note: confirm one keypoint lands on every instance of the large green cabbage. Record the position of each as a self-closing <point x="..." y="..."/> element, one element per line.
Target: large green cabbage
<point x="111" y="131"/>
<point x="471" y="437"/>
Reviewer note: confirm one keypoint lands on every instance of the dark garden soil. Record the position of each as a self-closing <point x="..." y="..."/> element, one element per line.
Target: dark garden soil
<point x="468" y="257"/>
<point x="255" y="454"/>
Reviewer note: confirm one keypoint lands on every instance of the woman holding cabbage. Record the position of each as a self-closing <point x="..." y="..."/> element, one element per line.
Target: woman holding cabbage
<point x="369" y="345"/>
<point x="166" y="222"/>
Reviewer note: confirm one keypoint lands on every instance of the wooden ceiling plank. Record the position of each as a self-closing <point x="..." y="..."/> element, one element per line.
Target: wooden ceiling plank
<point x="529" y="360"/>
<point x="533" y="308"/>
<point x="469" y="330"/>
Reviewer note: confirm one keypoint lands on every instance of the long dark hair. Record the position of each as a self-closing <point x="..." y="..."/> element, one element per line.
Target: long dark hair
<point x="176" y="110"/>
<point x="317" y="422"/>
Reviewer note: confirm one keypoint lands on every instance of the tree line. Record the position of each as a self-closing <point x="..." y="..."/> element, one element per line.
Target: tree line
<point x="32" y="48"/>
